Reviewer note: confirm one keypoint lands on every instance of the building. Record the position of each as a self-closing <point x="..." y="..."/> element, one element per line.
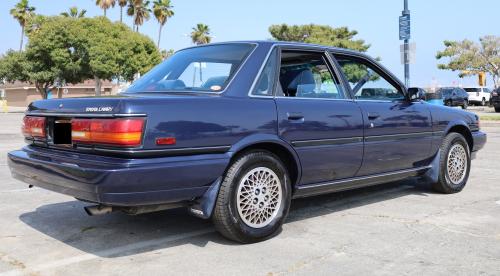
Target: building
<point x="21" y="94"/>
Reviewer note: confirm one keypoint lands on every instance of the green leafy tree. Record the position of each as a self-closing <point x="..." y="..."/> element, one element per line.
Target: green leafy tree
<point x="105" y="4"/>
<point x="166" y="54"/>
<point x="201" y="34"/>
<point x="470" y="57"/>
<point x="22" y="12"/>
<point x="319" y="34"/>
<point x="73" y="50"/>
<point x="140" y="12"/>
<point x="74" y="13"/>
<point x="329" y="36"/>
<point x="162" y="9"/>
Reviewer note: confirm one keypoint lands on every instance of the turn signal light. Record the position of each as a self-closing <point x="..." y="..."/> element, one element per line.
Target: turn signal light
<point x="116" y="132"/>
<point x="34" y="127"/>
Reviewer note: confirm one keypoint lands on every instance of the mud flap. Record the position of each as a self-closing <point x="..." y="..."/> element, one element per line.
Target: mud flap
<point x="204" y="206"/>
<point x="432" y="175"/>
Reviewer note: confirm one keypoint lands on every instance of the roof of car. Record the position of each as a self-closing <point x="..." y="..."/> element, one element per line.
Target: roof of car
<point x="286" y="43"/>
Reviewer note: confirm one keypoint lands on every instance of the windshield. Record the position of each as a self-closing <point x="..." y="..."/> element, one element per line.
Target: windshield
<point x="472" y="89"/>
<point x="206" y="69"/>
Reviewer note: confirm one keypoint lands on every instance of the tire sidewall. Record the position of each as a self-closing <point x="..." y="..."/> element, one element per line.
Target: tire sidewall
<point x="248" y="163"/>
<point x="457" y="139"/>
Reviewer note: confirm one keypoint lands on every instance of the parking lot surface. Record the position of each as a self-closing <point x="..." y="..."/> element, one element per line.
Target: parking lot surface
<point x="395" y="228"/>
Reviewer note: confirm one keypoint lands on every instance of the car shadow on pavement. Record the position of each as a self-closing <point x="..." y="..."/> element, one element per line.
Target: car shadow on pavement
<point x="118" y="234"/>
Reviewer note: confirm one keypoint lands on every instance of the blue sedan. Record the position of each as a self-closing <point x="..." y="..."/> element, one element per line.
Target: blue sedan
<point x="234" y="131"/>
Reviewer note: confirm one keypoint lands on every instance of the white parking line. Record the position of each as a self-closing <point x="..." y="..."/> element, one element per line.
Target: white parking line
<point x="107" y="253"/>
<point x="18" y="190"/>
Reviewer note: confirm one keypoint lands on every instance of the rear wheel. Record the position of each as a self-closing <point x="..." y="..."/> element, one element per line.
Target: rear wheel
<point x="483" y="102"/>
<point x="497" y="109"/>
<point x="454" y="164"/>
<point x="254" y="198"/>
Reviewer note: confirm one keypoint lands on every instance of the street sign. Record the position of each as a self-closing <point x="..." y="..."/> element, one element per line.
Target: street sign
<point x="404" y="27"/>
<point x="412" y="49"/>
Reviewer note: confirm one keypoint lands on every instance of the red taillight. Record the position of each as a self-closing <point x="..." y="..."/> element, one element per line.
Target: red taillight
<point x="118" y="132"/>
<point x="494" y="94"/>
<point x="34" y="127"/>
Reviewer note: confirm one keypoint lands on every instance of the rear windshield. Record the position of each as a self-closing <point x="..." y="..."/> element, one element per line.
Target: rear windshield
<point x="206" y="69"/>
<point x="472" y="89"/>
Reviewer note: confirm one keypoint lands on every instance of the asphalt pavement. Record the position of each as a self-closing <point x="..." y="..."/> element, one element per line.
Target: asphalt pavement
<point x="391" y="229"/>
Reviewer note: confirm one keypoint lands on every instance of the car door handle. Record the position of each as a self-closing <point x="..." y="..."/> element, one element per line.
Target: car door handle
<point x="373" y="115"/>
<point x="295" y="116"/>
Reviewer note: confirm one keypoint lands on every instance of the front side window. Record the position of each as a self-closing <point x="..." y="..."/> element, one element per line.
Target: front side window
<point x="206" y="69"/>
<point x="471" y="89"/>
<point x="307" y="75"/>
<point x="367" y="82"/>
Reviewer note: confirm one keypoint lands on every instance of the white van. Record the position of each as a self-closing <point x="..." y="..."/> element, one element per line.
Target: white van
<point x="478" y="95"/>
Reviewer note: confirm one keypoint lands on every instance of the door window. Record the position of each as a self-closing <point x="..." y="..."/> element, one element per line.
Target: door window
<point x="368" y="82"/>
<point x="307" y="75"/>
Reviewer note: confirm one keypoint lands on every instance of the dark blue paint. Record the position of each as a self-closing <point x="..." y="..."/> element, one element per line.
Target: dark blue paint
<point x="235" y="120"/>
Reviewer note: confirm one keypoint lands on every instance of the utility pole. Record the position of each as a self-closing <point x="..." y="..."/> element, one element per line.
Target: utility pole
<point x="406" y="31"/>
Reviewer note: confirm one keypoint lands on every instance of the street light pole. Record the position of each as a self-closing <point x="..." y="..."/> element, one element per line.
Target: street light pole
<point x="406" y="49"/>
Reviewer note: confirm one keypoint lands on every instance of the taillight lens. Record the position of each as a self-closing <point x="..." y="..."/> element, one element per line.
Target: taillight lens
<point x="117" y="132"/>
<point x="34" y="127"/>
<point x="494" y="94"/>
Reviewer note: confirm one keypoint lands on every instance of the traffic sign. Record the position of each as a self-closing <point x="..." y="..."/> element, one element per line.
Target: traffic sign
<point x="404" y="27"/>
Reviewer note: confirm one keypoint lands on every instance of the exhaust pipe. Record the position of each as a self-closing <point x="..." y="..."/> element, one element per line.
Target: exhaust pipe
<point x="97" y="210"/>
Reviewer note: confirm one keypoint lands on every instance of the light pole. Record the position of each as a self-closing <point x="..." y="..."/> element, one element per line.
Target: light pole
<point x="406" y="14"/>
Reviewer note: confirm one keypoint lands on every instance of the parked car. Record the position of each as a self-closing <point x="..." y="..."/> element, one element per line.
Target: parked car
<point x="495" y="99"/>
<point x="449" y="96"/>
<point x="479" y="95"/>
<point x="234" y="131"/>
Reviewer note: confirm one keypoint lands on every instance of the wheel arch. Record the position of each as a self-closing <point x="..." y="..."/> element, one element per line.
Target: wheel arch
<point x="275" y="145"/>
<point x="462" y="129"/>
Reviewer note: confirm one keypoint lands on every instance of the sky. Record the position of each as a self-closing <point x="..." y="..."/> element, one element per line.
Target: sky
<point x="376" y="22"/>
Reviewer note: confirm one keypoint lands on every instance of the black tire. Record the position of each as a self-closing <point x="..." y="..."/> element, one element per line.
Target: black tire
<point x="226" y="217"/>
<point x="444" y="184"/>
<point x="483" y="102"/>
<point x="497" y="109"/>
<point x="465" y="105"/>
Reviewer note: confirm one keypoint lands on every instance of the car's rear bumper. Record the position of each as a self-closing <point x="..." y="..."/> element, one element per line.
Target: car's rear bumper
<point x="117" y="181"/>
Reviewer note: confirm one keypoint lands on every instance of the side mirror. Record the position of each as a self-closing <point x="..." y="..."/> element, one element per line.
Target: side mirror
<point x="416" y="94"/>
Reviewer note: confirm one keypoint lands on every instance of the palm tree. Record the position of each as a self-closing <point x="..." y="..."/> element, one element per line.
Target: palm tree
<point x="140" y="11"/>
<point x="162" y="11"/>
<point x="122" y="3"/>
<point x="74" y="12"/>
<point x="105" y="4"/>
<point x="22" y="12"/>
<point x="201" y="34"/>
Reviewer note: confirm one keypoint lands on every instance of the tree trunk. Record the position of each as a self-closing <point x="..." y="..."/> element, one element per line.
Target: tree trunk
<point x="104" y="12"/>
<point x="159" y="36"/>
<point x="41" y="89"/>
<point x="98" y="85"/>
<point x="121" y="14"/>
<point x="22" y="38"/>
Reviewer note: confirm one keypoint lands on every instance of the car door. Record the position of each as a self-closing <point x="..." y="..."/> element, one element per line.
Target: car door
<point x="317" y="116"/>
<point x="397" y="131"/>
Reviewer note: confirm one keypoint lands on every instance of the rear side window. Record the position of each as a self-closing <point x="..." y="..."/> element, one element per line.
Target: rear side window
<point x="307" y="75"/>
<point x="368" y="82"/>
<point x="486" y="90"/>
<point x="265" y="84"/>
<point x="206" y="69"/>
<point x="472" y="89"/>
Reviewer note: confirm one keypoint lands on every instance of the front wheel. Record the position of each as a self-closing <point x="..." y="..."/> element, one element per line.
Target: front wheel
<point x="454" y="164"/>
<point x="254" y="198"/>
<point x="483" y="102"/>
<point x="497" y="109"/>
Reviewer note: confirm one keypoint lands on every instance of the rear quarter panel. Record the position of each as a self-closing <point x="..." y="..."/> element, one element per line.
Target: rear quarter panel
<point x="203" y="121"/>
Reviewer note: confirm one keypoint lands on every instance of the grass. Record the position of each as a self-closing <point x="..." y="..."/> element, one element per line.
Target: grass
<point x="489" y="117"/>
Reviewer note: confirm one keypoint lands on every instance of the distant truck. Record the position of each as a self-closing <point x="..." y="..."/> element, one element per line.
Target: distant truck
<point x="478" y="95"/>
